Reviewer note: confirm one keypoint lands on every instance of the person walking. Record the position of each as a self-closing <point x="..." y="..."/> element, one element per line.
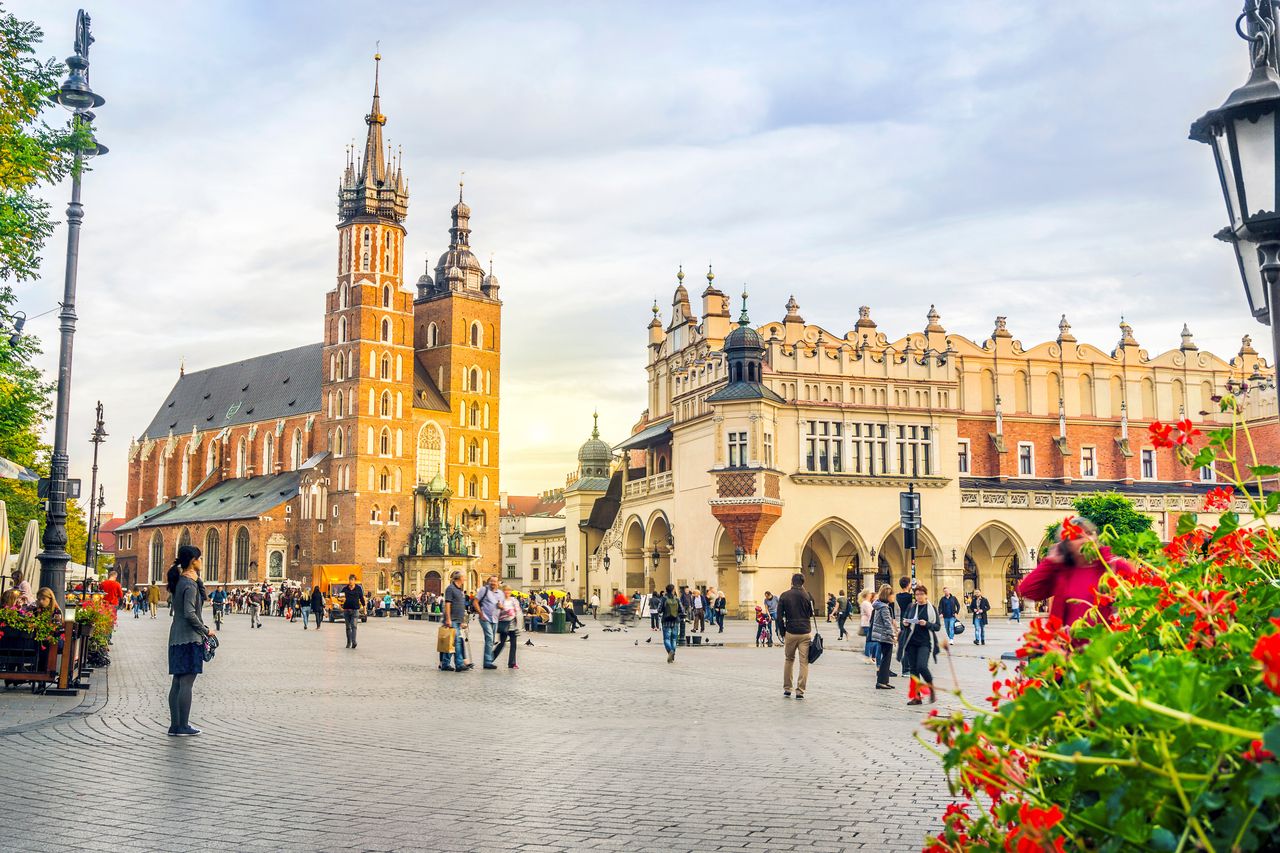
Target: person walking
<point x="219" y="601"/>
<point x="699" y="611"/>
<point x="353" y="604"/>
<point x="187" y="635"/>
<point x="831" y="605"/>
<point x="1015" y="606"/>
<point x="595" y="604"/>
<point x="920" y="626"/>
<point x="455" y="614"/>
<point x="844" y="606"/>
<point x="137" y="599"/>
<point x="673" y="613"/>
<point x="508" y="627"/>
<point x="655" y="611"/>
<point x="949" y="607"/>
<point x="153" y="599"/>
<point x="979" y="607"/>
<point x="317" y="606"/>
<point x="302" y="607"/>
<point x="112" y="591"/>
<point x="795" y="626"/>
<point x="1068" y="577"/>
<point x="255" y="609"/>
<point x="884" y="634"/>
<point x="718" y="608"/>
<point x="487" y="603"/>
<point x="864" y="625"/>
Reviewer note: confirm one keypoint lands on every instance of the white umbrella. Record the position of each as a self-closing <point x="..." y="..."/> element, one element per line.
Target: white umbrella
<point x="27" y="553"/>
<point x="4" y="535"/>
<point x="11" y="470"/>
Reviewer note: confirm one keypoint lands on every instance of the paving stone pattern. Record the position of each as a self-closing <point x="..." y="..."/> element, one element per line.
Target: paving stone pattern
<point x="595" y="743"/>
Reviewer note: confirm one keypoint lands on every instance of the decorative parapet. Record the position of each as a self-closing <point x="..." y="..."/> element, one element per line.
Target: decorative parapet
<point x="891" y="480"/>
<point x="658" y="484"/>
<point x="1024" y="499"/>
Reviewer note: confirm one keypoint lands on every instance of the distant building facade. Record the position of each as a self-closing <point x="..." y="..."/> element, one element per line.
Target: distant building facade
<point x="781" y="447"/>
<point x="377" y="447"/>
<point x="532" y="540"/>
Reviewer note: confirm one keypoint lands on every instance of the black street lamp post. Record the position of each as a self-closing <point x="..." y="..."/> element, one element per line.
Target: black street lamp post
<point x="1244" y="134"/>
<point x="98" y="436"/>
<point x="76" y="95"/>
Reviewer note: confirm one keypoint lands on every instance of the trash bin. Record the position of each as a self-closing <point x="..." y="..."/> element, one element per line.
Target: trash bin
<point x="557" y="622"/>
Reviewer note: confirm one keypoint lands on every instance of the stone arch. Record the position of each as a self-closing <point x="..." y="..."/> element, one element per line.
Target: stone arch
<point x="891" y="555"/>
<point x="725" y="564"/>
<point x="996" y="559"/>
<point x="836" y="552"/>
<point x="633" y="554"/>
<point x="657" y="539"/>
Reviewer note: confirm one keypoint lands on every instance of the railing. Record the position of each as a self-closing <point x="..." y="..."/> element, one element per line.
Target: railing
<point x="657" y="484"/>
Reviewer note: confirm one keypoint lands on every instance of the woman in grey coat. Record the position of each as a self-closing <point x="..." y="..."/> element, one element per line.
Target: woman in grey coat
<point x="884" y="633"/>
<point x="187" y="633"/>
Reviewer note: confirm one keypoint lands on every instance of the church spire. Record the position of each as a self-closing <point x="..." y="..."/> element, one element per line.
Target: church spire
<point x="373" y="188"/>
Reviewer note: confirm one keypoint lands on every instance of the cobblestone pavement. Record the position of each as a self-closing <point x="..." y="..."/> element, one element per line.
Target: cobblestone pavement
<point x="595" y="743"/>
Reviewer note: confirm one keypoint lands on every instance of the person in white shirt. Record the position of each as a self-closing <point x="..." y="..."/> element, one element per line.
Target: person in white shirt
<point x="1015" y="607"/>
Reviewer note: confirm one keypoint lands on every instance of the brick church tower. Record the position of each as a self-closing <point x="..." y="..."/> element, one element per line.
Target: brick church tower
<point x="367" y="389"/>
<point x="458" y="316"/>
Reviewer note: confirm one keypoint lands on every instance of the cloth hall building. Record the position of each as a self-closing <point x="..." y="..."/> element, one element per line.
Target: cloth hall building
<point x="771" y="448"/>
<point x="375" y="448"/>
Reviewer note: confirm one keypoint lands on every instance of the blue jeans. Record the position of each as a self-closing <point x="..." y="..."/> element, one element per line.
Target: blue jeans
<point x="670" y="635"/>
<point x="872" y="649"/>
<point x="1017" y="614"/>
<point x="490" y="636"/>
<point x="457" y="657"/>
<point x="306" y="614"/>
<point x="979" y="631"/>
<point x="950" y="623"/>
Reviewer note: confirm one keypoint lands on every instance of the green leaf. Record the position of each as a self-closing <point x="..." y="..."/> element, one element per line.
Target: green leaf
<point x="1228" y="523"/>
<point x="1188" y="520"/>
<point x="1163" y="840"/>
<point x="1264" y="470"/>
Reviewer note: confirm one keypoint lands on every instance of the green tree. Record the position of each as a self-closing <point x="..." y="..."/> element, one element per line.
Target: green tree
<point x="24" y="407"/>
<point x="31" y="152"/>
<point x="1126" y="530"/>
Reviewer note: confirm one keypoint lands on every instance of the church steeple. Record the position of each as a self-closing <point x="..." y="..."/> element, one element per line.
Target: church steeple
<point x="377" y="187"/>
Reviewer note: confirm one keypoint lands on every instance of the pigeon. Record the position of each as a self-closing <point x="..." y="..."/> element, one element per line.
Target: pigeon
<point x="650" y="640"/>
<point x="584" y="636"/>
<point x="637" y="642"/>
<point x="528" y="642"/>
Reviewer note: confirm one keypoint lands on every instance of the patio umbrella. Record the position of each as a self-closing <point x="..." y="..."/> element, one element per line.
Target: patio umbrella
<point x="11" y="470"/>
<point x="30" y="546"/>
<point x="4" y="536"/>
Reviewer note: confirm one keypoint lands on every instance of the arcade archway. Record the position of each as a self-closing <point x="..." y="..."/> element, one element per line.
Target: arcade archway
<point x="657" y="551"/>
<point x="893" y="561"/>
<point x="633" y="556"/>
<point x="995" y="560"/>
<point x="831" y="560"/>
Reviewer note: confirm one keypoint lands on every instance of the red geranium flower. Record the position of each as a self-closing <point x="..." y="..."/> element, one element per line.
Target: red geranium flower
<point x="1219" y="499"/>
<point x="1254" y="753"/>
<point x="1186" y="433"/>
<point x="1071" y="530"/>
<point x="1160" y="434"/>
<point x="1032" y="834"/>
<point x="1267" y="651"/>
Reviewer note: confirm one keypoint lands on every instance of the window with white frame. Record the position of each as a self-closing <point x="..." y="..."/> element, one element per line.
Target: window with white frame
<point x="1148" y="464"/>
<point x="915" y="450"/>
<point x="962" y="456"/>
<point x="823" y="446"/>
<point x="1026" y="459"/>
<point x="1208" y="474"/>
<point x="768" y="450"/>
<point x="511" y="551"/>
<point x="869" y="448"/>
<point x="737" y="449"/>
<point x="1088" y="462"/>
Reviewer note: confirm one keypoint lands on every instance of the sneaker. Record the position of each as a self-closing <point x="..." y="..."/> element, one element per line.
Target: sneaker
<point x="187" y="731"/>
<point x="885" y="687"/>
<point x="173" y="731"/>
<point x="671" y="657"/>
<point x="915" y="701"/>
<point x="513" y="666"/>
<point x="447" y="669"/>
<point x="491" y="666"/>
<point x="799" y="695"/>
<point x="786" y="694"/>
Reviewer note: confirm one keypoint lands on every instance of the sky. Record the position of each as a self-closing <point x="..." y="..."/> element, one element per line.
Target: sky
<point x="992" y="158"/>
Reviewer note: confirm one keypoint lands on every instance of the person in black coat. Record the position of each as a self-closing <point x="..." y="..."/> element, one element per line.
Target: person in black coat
<point x="317" y="605"/>
<point x="919" y="637"/>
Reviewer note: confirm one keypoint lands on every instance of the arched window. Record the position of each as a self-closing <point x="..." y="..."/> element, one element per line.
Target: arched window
<point x="368" y="236"/>
<point x="242" y="554"/>
<point x="382" y="546"/>
<point x="476" y="337"/>
<point x="184" y="538"/>
<point x="337" y="444"/>
<point x="393" y="515"/>
<point x="486" y="415"/>
<point x="386" y="296"/>
<point x="386" y="366"/>
<point x="184" y="477"/>
<point x="473" y="452"/>
<point x="161" y="475"/>
<point x="386" y="263"/>
<point x="210" y="457"/>
<point x="399" y="367"/>
<point x="1086" y="394"/>
<point x="384" y="442"/>
<point x="342" y="330"/>
<point x="384" y="480"/>
<point x="386" y="404"/>
<point x="157" y="566"/>
<point x="433" y="335"/>
<point x="484" y="452"/>
<point x="399" y="405"/>
<point x="297" y="450"/>
<point x="339" y="406"/>
<point x="364" y="262"/>
<point x="386" y="329"/>
<point x="341" y="372"/>
<point x="375" y="514"/>
<point x="399" y="442"/>
<point x="343" y="296"/>
<point x="488" y="382"/>
<point x="268" y="455"/>
<point x="212" y="552"/>
<point x="430" y="455"/>
<point x="475" y="380"/>
<point x="475" y="414"/>
<point x="399" y="485"/>
<point x="242" y="458"/>
<point x="473" y="488"/>
<point x="484" y="488"/>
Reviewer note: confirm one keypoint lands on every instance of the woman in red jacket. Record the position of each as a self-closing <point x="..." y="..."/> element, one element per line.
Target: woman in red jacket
<point x="1069" y="574"/>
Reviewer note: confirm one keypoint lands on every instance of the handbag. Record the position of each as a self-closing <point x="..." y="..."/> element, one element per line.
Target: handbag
<point x="865" y="631"/>
<point x="209" y="647"/>
<point x="958" y="627"/>
<point x="445" y="640"/>
<point x="815" y="647"/>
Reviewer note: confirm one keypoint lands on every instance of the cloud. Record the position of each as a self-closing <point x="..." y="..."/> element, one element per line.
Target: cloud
<point x="986" y="157"/>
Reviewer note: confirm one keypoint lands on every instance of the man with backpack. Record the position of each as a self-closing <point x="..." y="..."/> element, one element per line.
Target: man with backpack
<point x="795" y="625"/>
<point x="673" y="612"/>
<point x="949" y="607"/>
<point x="487" y="603"/>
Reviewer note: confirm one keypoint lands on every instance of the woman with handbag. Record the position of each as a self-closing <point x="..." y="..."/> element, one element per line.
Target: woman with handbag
<point x="187" y="637"/>
<point x="884" y="633"/>
<point x="508" y="627"/>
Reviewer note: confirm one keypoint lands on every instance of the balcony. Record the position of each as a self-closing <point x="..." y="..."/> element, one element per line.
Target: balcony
<point x="658" y="484"/>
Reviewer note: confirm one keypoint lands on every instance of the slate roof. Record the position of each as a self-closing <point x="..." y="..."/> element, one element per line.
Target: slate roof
<point x="231" y="499"/>
<point x="591" y="484"/>
<point x="648" y="435"/>
<point x="265" y="387"/>
<point x="425" y="393"/>
<point x="744" y="391"/>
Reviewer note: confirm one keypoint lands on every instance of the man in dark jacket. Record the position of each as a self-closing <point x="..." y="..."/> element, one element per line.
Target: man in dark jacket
<point x="979" y="607"/>
<point x="902" y="599"/>
<point x="317" y="605"/>
<point x="352" y="604"/>
<point x="949" y="607"/>
<point x="795" y="624"/>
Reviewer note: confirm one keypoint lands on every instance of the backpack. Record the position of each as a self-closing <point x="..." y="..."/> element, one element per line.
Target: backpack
<point x="671" y="608"/>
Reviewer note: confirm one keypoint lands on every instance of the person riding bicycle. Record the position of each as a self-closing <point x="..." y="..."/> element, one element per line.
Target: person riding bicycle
<point x="219" y="600"/>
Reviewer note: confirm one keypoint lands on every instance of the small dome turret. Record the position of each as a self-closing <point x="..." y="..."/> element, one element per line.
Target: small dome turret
<point x="595" y="455"/>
